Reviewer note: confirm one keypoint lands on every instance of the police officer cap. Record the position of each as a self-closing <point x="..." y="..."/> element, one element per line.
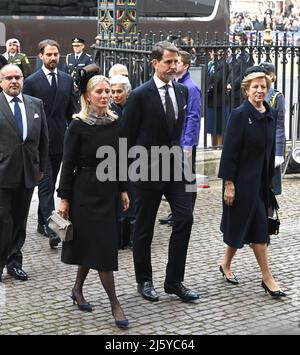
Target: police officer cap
<point x="77" y="40"/>
<point x="269" y="67"/>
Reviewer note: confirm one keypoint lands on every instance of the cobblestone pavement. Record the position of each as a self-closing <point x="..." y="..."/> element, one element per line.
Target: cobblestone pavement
<point x="42" y="305"/>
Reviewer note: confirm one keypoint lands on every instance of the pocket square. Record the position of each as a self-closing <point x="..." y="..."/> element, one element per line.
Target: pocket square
<point x="36" y="115"/>
<point x="184" y="107"/>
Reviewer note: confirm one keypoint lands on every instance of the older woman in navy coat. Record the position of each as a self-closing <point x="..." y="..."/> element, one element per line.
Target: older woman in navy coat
<point x="247" y="167"/>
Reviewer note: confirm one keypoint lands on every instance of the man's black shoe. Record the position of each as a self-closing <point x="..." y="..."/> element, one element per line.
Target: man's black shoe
<point x="18" y="273"/>
<point x="46" y="231"/>
<point x="54" y="241"/>
<point x="147" y="291"/>
<point x="168" y="220"/>
<point x="181" y="291"/>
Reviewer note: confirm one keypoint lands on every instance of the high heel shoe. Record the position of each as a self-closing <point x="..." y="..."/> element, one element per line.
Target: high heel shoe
<point x="123" y="323"/>
<point x="232" y="280"/>
<point x="84" y="307"/>
<point x="275" y="294"/>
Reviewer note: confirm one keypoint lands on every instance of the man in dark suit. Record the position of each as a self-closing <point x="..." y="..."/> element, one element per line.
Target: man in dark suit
<point x="153" y="118"/>
<point x="56" y="89"/>
<point x="23" y="154"/>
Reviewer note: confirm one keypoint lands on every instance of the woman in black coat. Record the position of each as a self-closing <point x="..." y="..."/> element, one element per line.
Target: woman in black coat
<point x="246" y="167"/>
<point x="92" y="202"/>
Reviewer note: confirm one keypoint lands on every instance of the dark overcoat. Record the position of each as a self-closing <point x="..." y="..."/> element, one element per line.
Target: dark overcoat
<point x="247" y="160"/>
<point x="93" y="203"/>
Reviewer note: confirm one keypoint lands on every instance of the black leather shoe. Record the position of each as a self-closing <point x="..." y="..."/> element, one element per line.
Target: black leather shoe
<point x="18" y="273"/>
<point x="146" y="289"/>
<point x="54" y="241"/>
<point x="46" y="231"/>
<point x="181" y="291"/>
<point x="168" y="220"/>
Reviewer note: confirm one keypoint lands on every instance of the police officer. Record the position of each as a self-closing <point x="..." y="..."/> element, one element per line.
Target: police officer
<point x="14" y="56"/>
<point x="78" y="59"/>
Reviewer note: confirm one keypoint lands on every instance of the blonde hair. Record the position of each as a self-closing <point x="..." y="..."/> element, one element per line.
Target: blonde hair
<point x="247" y="81"/>
<point x="85" y="105"/>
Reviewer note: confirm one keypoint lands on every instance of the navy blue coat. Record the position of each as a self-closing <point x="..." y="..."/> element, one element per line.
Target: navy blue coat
<point x="59" y="113"/>
<point x="247" y="160"/>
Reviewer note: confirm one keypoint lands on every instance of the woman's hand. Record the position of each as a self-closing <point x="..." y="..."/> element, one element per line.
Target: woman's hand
<point x="229" y="193"/>
<point x="64" y="208"/>
<point x="125" y="201"/>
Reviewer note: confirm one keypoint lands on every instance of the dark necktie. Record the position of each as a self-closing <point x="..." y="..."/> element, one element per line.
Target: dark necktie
<point x="18" y="114"/>
<point x="53" y="85"/>
<point x="170" y="113"/>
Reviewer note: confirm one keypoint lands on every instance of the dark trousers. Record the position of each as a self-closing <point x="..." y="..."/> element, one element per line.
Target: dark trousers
<point x="147" y="204"/>
<point x="194" y="194"/>
<point x="46" y="188"/>
<point x="14" y="209"/>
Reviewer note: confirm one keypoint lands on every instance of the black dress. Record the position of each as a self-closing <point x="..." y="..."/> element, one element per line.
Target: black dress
<point x="93" y="204"/>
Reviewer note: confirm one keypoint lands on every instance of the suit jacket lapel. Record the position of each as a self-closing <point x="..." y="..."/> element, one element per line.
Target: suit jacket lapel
<point x="179" y="99"/>
<point x="158" y="103"/>
<point x="7" y="113"/>
<point x="29" y="108"/>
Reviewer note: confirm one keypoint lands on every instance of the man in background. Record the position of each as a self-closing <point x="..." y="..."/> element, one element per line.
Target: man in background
<point x="13" y="55"/>
<point x="191" y="128"/>
<point x="56" y="89"/>
<point x="78" y="59"/>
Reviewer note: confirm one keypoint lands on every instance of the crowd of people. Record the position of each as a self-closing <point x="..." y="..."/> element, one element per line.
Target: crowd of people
<point x="50" y="122"/>
<point x="284" y="23"/>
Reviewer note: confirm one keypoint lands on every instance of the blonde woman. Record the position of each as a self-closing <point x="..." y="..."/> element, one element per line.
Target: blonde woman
<point x="247" y="167"/>
<point x="90" y="204"/>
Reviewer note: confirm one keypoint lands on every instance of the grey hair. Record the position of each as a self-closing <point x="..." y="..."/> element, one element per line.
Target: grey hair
<point x="116" y="69"/>
<point x="123" y="80"/>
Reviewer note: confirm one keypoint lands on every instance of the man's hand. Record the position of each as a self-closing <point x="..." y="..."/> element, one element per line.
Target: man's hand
<point x="125" y="201"/>
<point x="188" y="151"/>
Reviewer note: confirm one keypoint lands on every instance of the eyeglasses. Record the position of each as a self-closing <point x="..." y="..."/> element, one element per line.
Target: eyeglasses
<point x="10" y="78"/>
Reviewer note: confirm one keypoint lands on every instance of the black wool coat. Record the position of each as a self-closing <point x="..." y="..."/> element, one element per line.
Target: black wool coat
<point x="247" y="160"/>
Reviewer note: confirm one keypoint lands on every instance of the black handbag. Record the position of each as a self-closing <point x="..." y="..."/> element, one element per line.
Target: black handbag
<point x="273" y="224"/>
